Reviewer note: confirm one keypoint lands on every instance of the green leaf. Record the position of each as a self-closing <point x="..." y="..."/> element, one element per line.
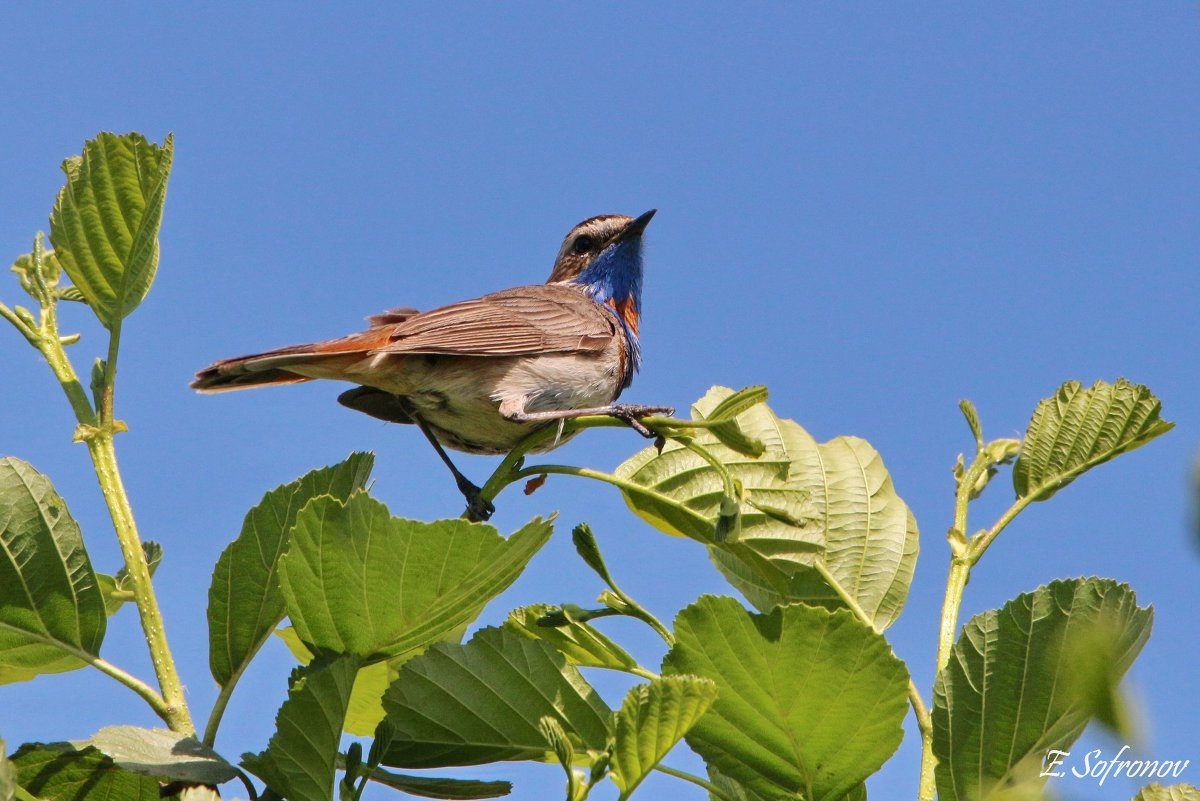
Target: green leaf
<point x="482" y="702"/>
<point x="653" y="718"/>
<point x="61" y="772"/>
<point x="1012" y="688"/>
<point x="357" y="580"/>
<point x="51" y="611"/>
<point x="580" y="643"/>
<point x="680" y="493"/>
<point x="810" y="701"/>
<point x="729" y="434"/>
<point x="41" y="287"/>
<point x="244" y="602"/>
<point x="115" y="596"/>
<point x="736" y="791"/>
<point x="430" y="787"/>
<point x="803" y="503"/>
<point x="162" y="753"/>
<point x="365" y="708"/>
<point x="71" y="293"/>
<point x="1174" y="792"/>
<point x="1078" y="429"/>
<point x="972" y="416"/>
<point x="564" y="751"/>
<point x="589" y="551"/>
<point x="301" y="758"/>
<point x="871" y="543"/>
<point x="735" y="403"/>
<point x="105" y="223"/>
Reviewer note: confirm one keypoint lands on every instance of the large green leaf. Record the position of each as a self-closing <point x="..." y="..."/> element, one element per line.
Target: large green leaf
<point x="810" y="701"/>
<point x="52" y="614"/>
<point x="116" y="592"/>
<point x="1174" y="792"/>
<point x="653" y="718"/>
<point x="163" y="754"/>
<point x="581" y="643"/>
<point x="244" y="601"/>
<point x="364" y="710"/>
<point x="1011" y="689"/>
<point x="482" y="702"/>
<point x="61" y="772"/>
<point x="357" y="580"/>
<point x="104" y="226"/>
<point x="802" y="503"/>
<point x="301" y="758"/>
<point x="735" y="791"/>
<point x="866" y="553"/>
<point x="1078" y="429"/>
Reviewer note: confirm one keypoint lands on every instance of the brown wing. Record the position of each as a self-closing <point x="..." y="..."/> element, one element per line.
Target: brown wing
<point x="544" y="318"/>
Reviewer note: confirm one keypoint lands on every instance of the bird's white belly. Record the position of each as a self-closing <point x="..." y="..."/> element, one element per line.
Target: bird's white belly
<point x="459" y="397"/>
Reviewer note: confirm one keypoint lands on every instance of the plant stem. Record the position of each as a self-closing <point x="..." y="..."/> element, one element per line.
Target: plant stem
<point x="597" y="475"/>
<point x="966" y="554"/>
<point x="981" y="541"/>
<point x="104" y="410"/>
<point x="97" y="431"/>
<point x="140" y="687"/>
<point x="507" y="472"/>
<point x="713" y="789"/>
<point x="17" y="323"/>
<point x="253" y="794"/>
<point x="148" y="693"/>
<point x="218" y="711"/>
<point x="642" y="673"/>
<point x="51" y="348"/>
<point x="104" y="457"/>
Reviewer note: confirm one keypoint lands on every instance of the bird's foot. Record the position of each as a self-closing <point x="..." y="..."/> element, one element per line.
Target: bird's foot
<point x="632" y="413"/>
<point x="479" y="509"/>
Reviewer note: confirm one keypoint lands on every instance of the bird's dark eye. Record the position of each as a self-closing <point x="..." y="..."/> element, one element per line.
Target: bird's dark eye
<point x="582" y="244"/>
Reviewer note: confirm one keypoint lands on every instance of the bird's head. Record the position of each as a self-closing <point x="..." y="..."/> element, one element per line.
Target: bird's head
<point x="604" y="250"/>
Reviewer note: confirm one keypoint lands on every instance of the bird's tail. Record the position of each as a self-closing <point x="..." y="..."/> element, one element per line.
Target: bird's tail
<point x="295" y="363"/>
<point x="258" y="370"/>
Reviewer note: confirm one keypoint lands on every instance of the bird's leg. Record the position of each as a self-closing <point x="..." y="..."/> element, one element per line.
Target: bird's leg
<point x="479" y="509"/>
<point x="631" y="413"/>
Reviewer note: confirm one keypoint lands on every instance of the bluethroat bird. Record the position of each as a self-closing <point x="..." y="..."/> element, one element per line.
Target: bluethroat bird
<point x="479" y="375"/>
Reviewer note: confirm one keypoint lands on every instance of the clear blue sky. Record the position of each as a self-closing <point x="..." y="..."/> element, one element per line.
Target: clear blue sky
<point x="874" y="209"/>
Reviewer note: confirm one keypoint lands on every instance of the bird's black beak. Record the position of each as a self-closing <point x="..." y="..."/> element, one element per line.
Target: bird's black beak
<point x="634" y="229"/>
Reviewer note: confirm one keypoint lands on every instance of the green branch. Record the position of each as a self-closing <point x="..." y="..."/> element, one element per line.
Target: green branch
<point x="96" y="427"/>
<point x="713" y="789"/>
<point x="965" y="553"/>
<point x="140" y="687"/>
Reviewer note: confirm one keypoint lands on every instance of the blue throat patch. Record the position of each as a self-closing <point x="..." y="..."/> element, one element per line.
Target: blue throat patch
<point x="616" y="275"/>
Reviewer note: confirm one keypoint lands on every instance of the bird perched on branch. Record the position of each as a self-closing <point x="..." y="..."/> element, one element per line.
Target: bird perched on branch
<point x="479" y="375"/>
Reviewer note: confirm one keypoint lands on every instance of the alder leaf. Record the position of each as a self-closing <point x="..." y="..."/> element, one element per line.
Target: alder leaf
<point x="1014" y="688"/>
<point x="1078" y="429"/>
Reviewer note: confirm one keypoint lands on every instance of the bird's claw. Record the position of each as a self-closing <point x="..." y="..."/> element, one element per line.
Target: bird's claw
<point x="479" y="509"/>
<point x="632" y="413"/>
